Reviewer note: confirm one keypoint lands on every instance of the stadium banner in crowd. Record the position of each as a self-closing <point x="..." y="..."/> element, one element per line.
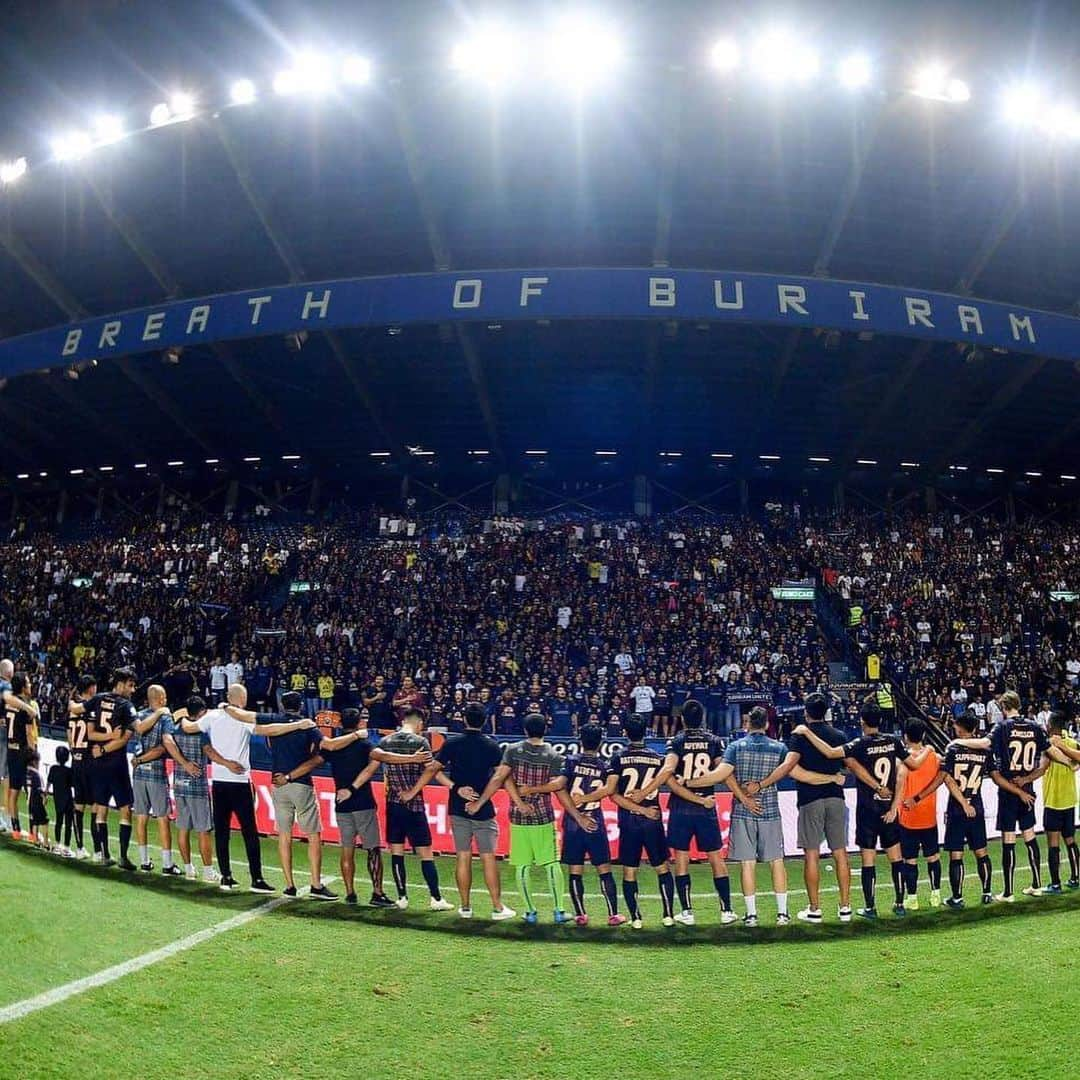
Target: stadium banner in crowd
<point x="559" y="293"/>
<point x="437" y="799"/>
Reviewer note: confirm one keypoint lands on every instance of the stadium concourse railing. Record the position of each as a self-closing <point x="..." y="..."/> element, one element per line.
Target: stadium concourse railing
<point x="832" y="615"/>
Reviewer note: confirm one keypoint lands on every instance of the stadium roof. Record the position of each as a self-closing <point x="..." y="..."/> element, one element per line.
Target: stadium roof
<point x="668" y="163"/>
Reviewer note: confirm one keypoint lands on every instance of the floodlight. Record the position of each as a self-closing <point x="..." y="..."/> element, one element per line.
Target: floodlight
<point x="725" y="55"/>
<point x="855" y="71"/>
<point x="1061" y="121"/>
<point x="581" y="53"/>
<point x="491" y="55"/>
<point x="11" y="171"/>
<point x="778" y="57"/>
<point x="160" y="114"/>
<point x="108" y="128"/>
<point x="242" y="92"/>
<point x="356" y="71"/>
<point x="958" y="91"/>
<point x="285" y="83"/>
<point x="1022" y="103"/>
<point x="182" y="105"/>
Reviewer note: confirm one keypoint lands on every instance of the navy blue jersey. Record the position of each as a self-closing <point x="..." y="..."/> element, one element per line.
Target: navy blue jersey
<point x="698" y="752"/>
<point x="585" y="772"/>
<point x="109" y="714"/>
<point x="636" y="767"/>
<point x="878" y="754"/>
<point x="1018" y="746"/>
<point x="969" y="768"/>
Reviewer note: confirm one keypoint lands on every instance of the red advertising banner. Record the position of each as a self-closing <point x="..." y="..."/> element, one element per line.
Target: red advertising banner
<point x="437" y="799"/>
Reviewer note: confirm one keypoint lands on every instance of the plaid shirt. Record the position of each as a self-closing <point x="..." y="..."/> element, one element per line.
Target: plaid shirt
<point x="532" y="765"/>
<point x="399" y="778"/>
<point x="191" y="746"/>
<point x="755" y="756"/>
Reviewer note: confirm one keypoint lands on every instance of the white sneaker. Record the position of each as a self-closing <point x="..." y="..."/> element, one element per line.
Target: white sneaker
<point x="728" y="917"/>
<point x="66" y="852"/>
<point x="783" y="918"/>
<point x="465" y="912"/>
<point x="211" y="875"/>
<point x="82" y="853"/>
<point x="402" y="902"/>
<point x="1032" y="891"/>
<point x="810" y="915"/>
<point x="191" y="873"/>
<point x="935" y="898"/>
<point x="667" y="920"/>
<point x="844" y="914"/>
<point x="503" y="913"/>
<point x="685" y="918"/>
<point x="440" y="905"/>
<point x="637" y="924"/>
<point x="1001" y="898"/>
<point x="98" y="857"/>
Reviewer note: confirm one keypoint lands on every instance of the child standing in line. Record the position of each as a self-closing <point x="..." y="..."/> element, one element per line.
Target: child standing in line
<point x="39" y="817"/>
<point x="61" y="783"/>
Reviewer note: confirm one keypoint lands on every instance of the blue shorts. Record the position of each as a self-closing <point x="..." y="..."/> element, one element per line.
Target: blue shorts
<point x="403" y="824"/>
<point x="577" y="843"/>
<point x="704" y="828"/>
<point x="638" y="834"/>
<point x="111" y="781"/>
<point x="961" y="831"/>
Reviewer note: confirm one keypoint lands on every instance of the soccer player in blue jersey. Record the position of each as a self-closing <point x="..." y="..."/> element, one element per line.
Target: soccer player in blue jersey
<point x="584" y="774"/>
<point x="692" y="816"/>
<point x="641" y="828"/>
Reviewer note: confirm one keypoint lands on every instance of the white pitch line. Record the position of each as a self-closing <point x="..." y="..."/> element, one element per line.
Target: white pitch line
<point x="24" y="1008"/>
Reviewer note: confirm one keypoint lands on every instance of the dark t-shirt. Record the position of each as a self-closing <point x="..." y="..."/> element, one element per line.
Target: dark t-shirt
<point x="698" y="752"/>
<point x="1018" y="746"/>
<point x="811" y="759"/>
<point x="109" y="713"/>
<point x="290" y="751"/>
<point x="345" y="765"/>
<point x="469" y="760"/>
<point x="878" y="754"/>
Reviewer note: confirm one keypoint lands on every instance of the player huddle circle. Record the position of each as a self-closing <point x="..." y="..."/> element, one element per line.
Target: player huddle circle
<point x="896" y="812"/>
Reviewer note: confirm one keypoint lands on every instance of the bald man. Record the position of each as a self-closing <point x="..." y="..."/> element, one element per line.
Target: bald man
<point x="149" y="783"/>
<point x="7" y="669"/>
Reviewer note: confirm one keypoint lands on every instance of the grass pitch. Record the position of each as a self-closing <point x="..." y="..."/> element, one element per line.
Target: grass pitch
<point x="307" y="989"/>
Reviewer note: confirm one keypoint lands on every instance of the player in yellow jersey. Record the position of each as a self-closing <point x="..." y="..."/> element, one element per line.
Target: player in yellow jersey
<point x="1059" y="814"/>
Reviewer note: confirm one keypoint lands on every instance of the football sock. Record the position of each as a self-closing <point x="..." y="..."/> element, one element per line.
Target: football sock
<point x="1053" y="859"/>
<point x="629" y="891"/>
<point x="80" y="821"/>
<point x="911" y="878"/>
<point x="1008" y="866"/>
<point x="166" y="857"/>
<point x="555" y="884"/>
<point x="898" y="880"/>
<point x="723" y="890"/>
<point x="751" y="904"/>
<point x="611" y="896"/>
<point x="125" y="840"/>
<point x="103" y="838"/>
<point x="15" y="826"/>
<point x="397" y="863"/>
<point x="375" y="870"/>
<point x="781" y="903"/>
<point x="869" y="885"/>
<point x="682" y="883"/>
<point x="523" y="887"/>
<point x="1074" y="860"/>
<point x="956" y="877"/>
<point x="56" y="829"/>
<point x="144" y="853"/>
<point x="933" y="869"/>
<point x="431" y="877"/>
<point x="986" y="875"/>
<point x="1035" y="862"/>
<point x="667" y="892"/>
<point x="577" y="893"/>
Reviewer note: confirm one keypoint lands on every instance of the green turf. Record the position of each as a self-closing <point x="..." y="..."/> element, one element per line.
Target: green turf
<point x="323" y="989"/>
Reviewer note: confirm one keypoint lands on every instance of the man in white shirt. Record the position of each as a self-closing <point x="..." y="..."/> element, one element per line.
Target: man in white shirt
<point x="563" y="617"/>
<point x="218" y="681"/>
<point x="234" y="670"/>
<point x="643" y="696"/>
<point x="230" y="777"/>
<point x="624" y="661"/>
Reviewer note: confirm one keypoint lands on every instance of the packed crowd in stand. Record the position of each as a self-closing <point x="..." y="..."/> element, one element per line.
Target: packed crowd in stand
<point x="583" y="621"/>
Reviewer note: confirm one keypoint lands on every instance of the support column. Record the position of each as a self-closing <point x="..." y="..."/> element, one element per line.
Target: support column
<point x="500" y="497"/>
<point x="931" y="500"/>
<point x="61" y="507"/>
<point x="1010" y="508"/>
<point x="160" y="501"/>
<point x="838" y="496"/>
<point x="643" y="504"/>
<point x="99" y="506"/>
<point x="232" y="496"/>
<point x="744" y="494"/>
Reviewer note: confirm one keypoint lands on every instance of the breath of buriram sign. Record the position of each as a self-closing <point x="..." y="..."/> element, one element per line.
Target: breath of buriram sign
<point x="569" y="293"/>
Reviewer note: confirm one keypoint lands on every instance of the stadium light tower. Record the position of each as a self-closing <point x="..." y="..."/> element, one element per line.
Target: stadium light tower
<point x="242" y="92"/>
<point x="581" y="53"/>
<point x="108" y="128"/>
<point x="778" y="57"/>
<point x="72" y="146"/>
<point x="491" y="55"/>
<point x="1022" y="103"/>
<point x="11" y="171"/>
<point x="311" y="74"/>
<point x="160" y="114"/>
<point x="356" y="71"/>
<point x="182" y="105"/>
<point x="933" y="82"/>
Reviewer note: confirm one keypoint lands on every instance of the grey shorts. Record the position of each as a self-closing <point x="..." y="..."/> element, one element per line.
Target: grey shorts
<point x="151" y="798"/>
<point x="359" y="823"/>
<point x="466" y="830"/>
<point x="193" y="813"/>
<point x="824" y="820"/>
<point x="3" y="757"/>
<point x="296" y="802"/>
<point x="756" y="840"/>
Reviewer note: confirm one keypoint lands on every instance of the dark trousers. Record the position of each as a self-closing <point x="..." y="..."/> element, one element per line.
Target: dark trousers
<point x="238" y="799"/>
